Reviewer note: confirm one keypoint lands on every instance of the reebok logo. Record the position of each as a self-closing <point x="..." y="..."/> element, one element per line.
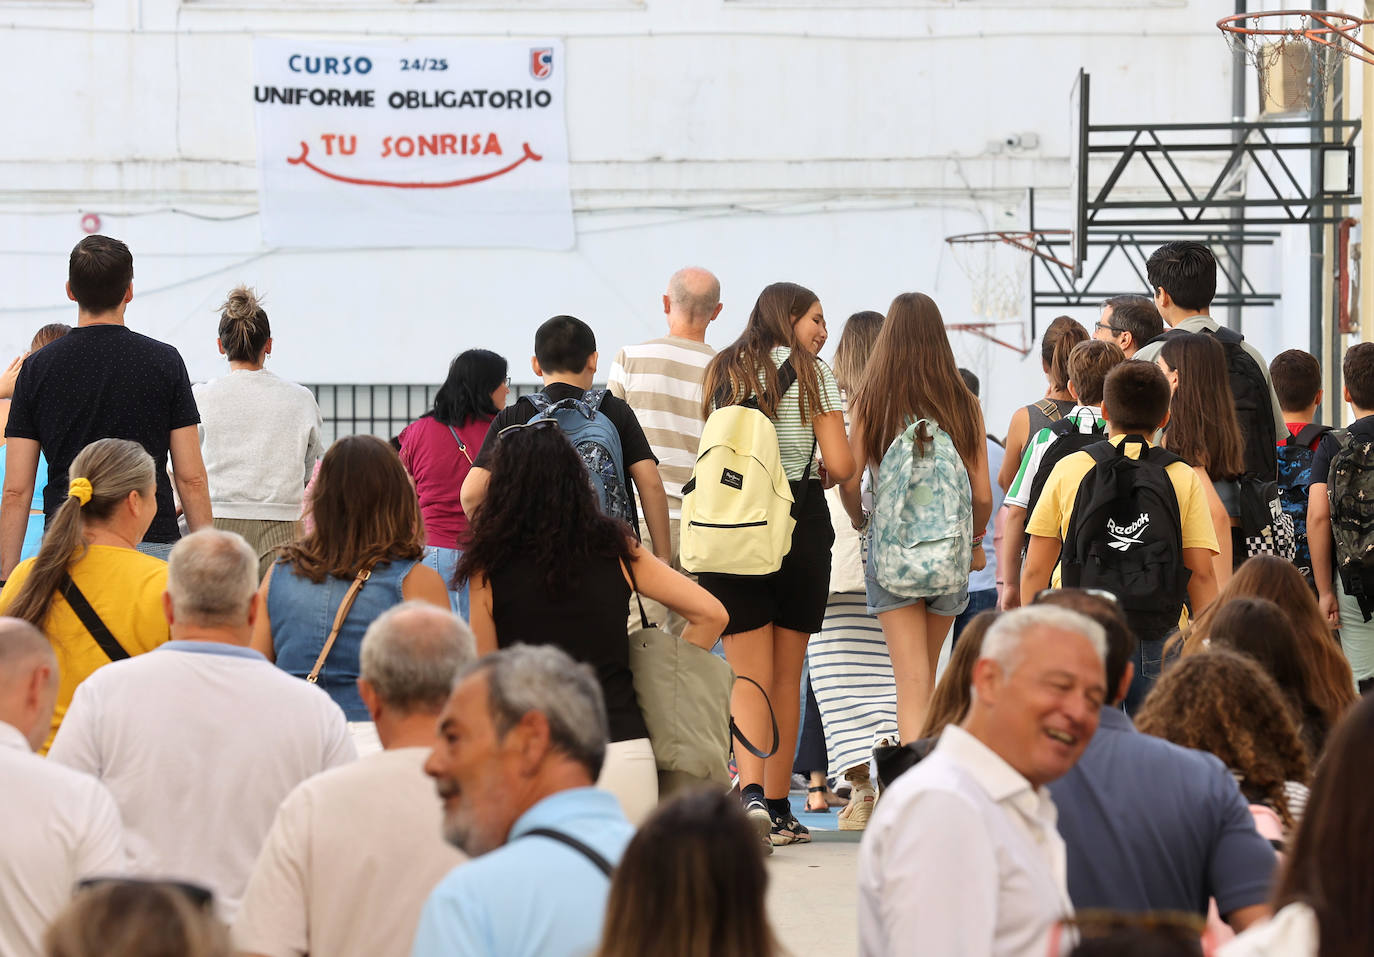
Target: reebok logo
<point x="1123" y="537"/>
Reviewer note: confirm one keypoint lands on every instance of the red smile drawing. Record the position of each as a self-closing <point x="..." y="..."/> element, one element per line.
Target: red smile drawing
<point x="305" y="152"/>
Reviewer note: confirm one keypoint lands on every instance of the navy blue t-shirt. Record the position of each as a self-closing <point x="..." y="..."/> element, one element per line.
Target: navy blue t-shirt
<point x="1148" y="826"/>
<point x="103" y="382"/>
<point x="1328" y="447"/>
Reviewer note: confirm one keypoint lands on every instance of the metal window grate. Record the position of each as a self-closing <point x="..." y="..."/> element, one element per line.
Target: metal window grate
<point x="380" y="410"/>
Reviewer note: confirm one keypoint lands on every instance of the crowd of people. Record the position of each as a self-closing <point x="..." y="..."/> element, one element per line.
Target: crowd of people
<point x="456" y="693"/>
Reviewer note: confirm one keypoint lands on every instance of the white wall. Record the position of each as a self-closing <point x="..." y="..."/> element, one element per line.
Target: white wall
<point x="833" y="143"/>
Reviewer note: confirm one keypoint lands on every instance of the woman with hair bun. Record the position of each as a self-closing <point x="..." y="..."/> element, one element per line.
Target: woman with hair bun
<point x="1055" y="345"/>
<point x="259" y="434"/>
<point x="88" y="560"/>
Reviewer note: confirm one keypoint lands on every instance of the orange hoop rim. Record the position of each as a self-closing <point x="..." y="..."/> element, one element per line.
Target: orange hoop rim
<point x="1025" y="240"/>
<point x="1331" y="23"/>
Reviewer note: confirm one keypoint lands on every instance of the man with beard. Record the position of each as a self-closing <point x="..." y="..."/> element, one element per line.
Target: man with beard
<point x="521" y="742"/>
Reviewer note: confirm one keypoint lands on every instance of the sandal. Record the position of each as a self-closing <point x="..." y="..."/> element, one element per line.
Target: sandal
<point x="819" y="789"/>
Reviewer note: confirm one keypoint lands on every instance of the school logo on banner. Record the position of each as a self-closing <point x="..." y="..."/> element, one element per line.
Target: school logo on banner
<point x="541" y="62"/>
<point x="433" y="143"/>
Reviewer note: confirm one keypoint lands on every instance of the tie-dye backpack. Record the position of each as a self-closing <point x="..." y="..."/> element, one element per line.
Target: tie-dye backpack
<point x="922" y="515"/>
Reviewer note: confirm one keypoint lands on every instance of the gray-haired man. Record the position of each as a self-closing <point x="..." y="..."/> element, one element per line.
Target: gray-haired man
<point x="200" y="740"/>
<point x="354" y="851"/>
<point x="521" y="742"/>
<point x="962" y="855"/>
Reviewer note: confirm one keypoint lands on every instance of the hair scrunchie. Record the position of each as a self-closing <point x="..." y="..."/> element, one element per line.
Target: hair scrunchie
<point x="81" y="490"/>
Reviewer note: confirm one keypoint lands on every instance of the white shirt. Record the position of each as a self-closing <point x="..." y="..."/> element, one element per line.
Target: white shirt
<point x="199" y="742"/>
<point x="260" y="437"/>
<point x="349" y="862"/>
<point x="1292" y="932"/>
<point x="57" y="826"/>
<point x="962" y="859"/>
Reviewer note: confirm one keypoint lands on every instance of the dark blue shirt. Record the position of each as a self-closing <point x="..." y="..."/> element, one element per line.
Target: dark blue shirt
<point x="1152" y="826"/>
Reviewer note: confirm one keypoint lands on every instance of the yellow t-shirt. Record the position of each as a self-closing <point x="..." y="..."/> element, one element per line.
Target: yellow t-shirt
<point x="125" y="588"/>
<point x="1055" y="507"/>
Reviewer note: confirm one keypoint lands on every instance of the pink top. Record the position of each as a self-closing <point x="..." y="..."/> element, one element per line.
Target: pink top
<point x="436" y="461"/>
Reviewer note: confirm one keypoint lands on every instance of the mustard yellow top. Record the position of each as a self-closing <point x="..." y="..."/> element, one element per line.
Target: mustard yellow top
<point x="125" y="588"/>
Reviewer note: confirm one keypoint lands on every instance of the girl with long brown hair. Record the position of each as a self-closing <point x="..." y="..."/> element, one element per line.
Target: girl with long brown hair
<point x="1203" y="431"/>
<point x="1328" y="683"/>
<point x="90" y="543"/>
<point x="365" y="518"/>
<point x="1322" y="900"/>
<point x="912" y="374"/>
<point x="1055" y="345"/>
<point x="772" y="617"/>
<point x="686" y="888"/>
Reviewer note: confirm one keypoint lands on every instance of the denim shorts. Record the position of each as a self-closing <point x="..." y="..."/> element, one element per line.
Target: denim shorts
<point x="881" y="600"/>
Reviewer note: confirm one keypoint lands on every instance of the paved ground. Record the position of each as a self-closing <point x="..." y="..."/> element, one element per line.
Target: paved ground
<point x="812" y="889"/>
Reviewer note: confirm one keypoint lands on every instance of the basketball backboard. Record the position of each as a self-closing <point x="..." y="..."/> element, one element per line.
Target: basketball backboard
<point x="1078" y="170"/>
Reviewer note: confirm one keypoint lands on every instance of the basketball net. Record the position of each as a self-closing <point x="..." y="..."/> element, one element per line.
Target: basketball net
<point x="996" y="275"/>
<point x="1295" y="52"/>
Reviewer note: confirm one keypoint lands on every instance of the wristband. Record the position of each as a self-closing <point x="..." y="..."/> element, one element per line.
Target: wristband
<point x="979" y="540"/>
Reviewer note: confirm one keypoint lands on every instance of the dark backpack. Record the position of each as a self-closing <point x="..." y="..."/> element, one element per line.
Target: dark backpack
<point x="1254" y="408"/>
<point x="1126" y="536"/>
<point x="1350" y="486"/>
<point x="597" y="442"/>
<point x="1295" y="480"/>
<point x="1068" y="439"/>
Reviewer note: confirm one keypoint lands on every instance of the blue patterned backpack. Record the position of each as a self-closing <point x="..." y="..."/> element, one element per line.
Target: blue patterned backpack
<point x="922" y="515"/>
<point x="596" y="440"/>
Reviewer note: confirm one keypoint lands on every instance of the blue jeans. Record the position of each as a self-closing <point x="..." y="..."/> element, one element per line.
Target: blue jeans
<point x="1149" y="665"/>
<point x="444" y="561"/>
<point x="160" y="550"/>
<point x="978" y="601"/>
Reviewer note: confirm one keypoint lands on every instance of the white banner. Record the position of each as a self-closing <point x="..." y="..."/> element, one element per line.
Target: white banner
<point x="423" y="143"/>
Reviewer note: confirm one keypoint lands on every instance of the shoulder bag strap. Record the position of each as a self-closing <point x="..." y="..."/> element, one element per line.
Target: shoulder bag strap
<point x="102" y="635"/>
<point x="1310" y="432"/>
<point x="602" y="865"/>
<point x="1049" y="409"/>
<point x="461" y="447"/>
<point x="634" y="586"/>
<point x="344" y="607"/>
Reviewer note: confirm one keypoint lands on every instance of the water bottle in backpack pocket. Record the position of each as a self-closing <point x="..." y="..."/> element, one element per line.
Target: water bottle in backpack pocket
<point x="1350" y="487"/>
<point x="1125" y="536"/>
<point x="597" y="442"/>
<point x="922" y="515"/>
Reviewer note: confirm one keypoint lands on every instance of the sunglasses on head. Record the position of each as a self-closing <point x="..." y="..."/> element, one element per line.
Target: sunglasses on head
<point x="532" y="424"/>
<point x="1045" y="593"/>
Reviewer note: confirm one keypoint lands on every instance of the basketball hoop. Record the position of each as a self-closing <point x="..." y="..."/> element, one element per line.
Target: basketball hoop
<point x="1296" y="49"/>
<point x="996" y="263"/>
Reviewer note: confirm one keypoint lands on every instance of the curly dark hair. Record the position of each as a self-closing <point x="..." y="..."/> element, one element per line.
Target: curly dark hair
<point x="540" y="505"/>
<point x="1223" y="702"/>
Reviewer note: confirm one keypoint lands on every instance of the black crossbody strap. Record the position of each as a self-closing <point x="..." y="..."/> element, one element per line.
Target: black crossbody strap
<point x="602" y="865"/>
<point x="103" y="637"/>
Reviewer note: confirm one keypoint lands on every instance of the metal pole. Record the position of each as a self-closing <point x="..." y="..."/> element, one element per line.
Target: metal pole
<point x="1235" y="250"/>
<point x="1333" y="307"/>
<point x="1316" y="314"/>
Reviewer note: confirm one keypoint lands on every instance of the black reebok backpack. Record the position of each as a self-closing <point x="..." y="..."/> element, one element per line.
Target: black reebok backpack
<point x="1067" y="440"/>
<point x="1126" y="536"/>
<point x="1254" y="409"/>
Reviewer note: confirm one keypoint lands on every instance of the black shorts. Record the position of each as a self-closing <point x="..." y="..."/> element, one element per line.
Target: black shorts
<point x="795" y="596"/>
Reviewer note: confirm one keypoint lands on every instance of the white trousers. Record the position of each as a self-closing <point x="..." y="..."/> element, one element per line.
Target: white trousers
<point x="632" y="776"/>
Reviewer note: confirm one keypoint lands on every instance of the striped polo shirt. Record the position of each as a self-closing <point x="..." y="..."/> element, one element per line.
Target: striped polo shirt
<point x="661" y="380"/>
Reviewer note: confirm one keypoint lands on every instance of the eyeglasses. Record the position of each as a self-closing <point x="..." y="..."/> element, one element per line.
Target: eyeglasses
<point x="1103" y="325"/>
<point x="532" y="424"/>
<point x="1045" y="593"/>
<point x="507" y="382"/>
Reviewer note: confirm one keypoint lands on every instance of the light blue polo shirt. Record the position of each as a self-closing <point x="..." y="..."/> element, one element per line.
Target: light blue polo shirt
<point x="534" y="896"/>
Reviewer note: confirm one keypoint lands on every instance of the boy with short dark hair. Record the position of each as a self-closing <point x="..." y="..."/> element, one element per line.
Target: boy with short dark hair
<point x="1297" y="378"/>
<point x="1135" y="405"/>
<point x="1337" y="465"/>
<point x="565" y="359"/>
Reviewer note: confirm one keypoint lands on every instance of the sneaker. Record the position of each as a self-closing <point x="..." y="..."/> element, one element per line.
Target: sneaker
<point x="789" y="830"/>
<point x="756" y="810"/>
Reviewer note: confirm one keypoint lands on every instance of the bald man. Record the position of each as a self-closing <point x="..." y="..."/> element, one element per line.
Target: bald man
<point x="661" y="380"/>
<point x="57" y="825"/>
